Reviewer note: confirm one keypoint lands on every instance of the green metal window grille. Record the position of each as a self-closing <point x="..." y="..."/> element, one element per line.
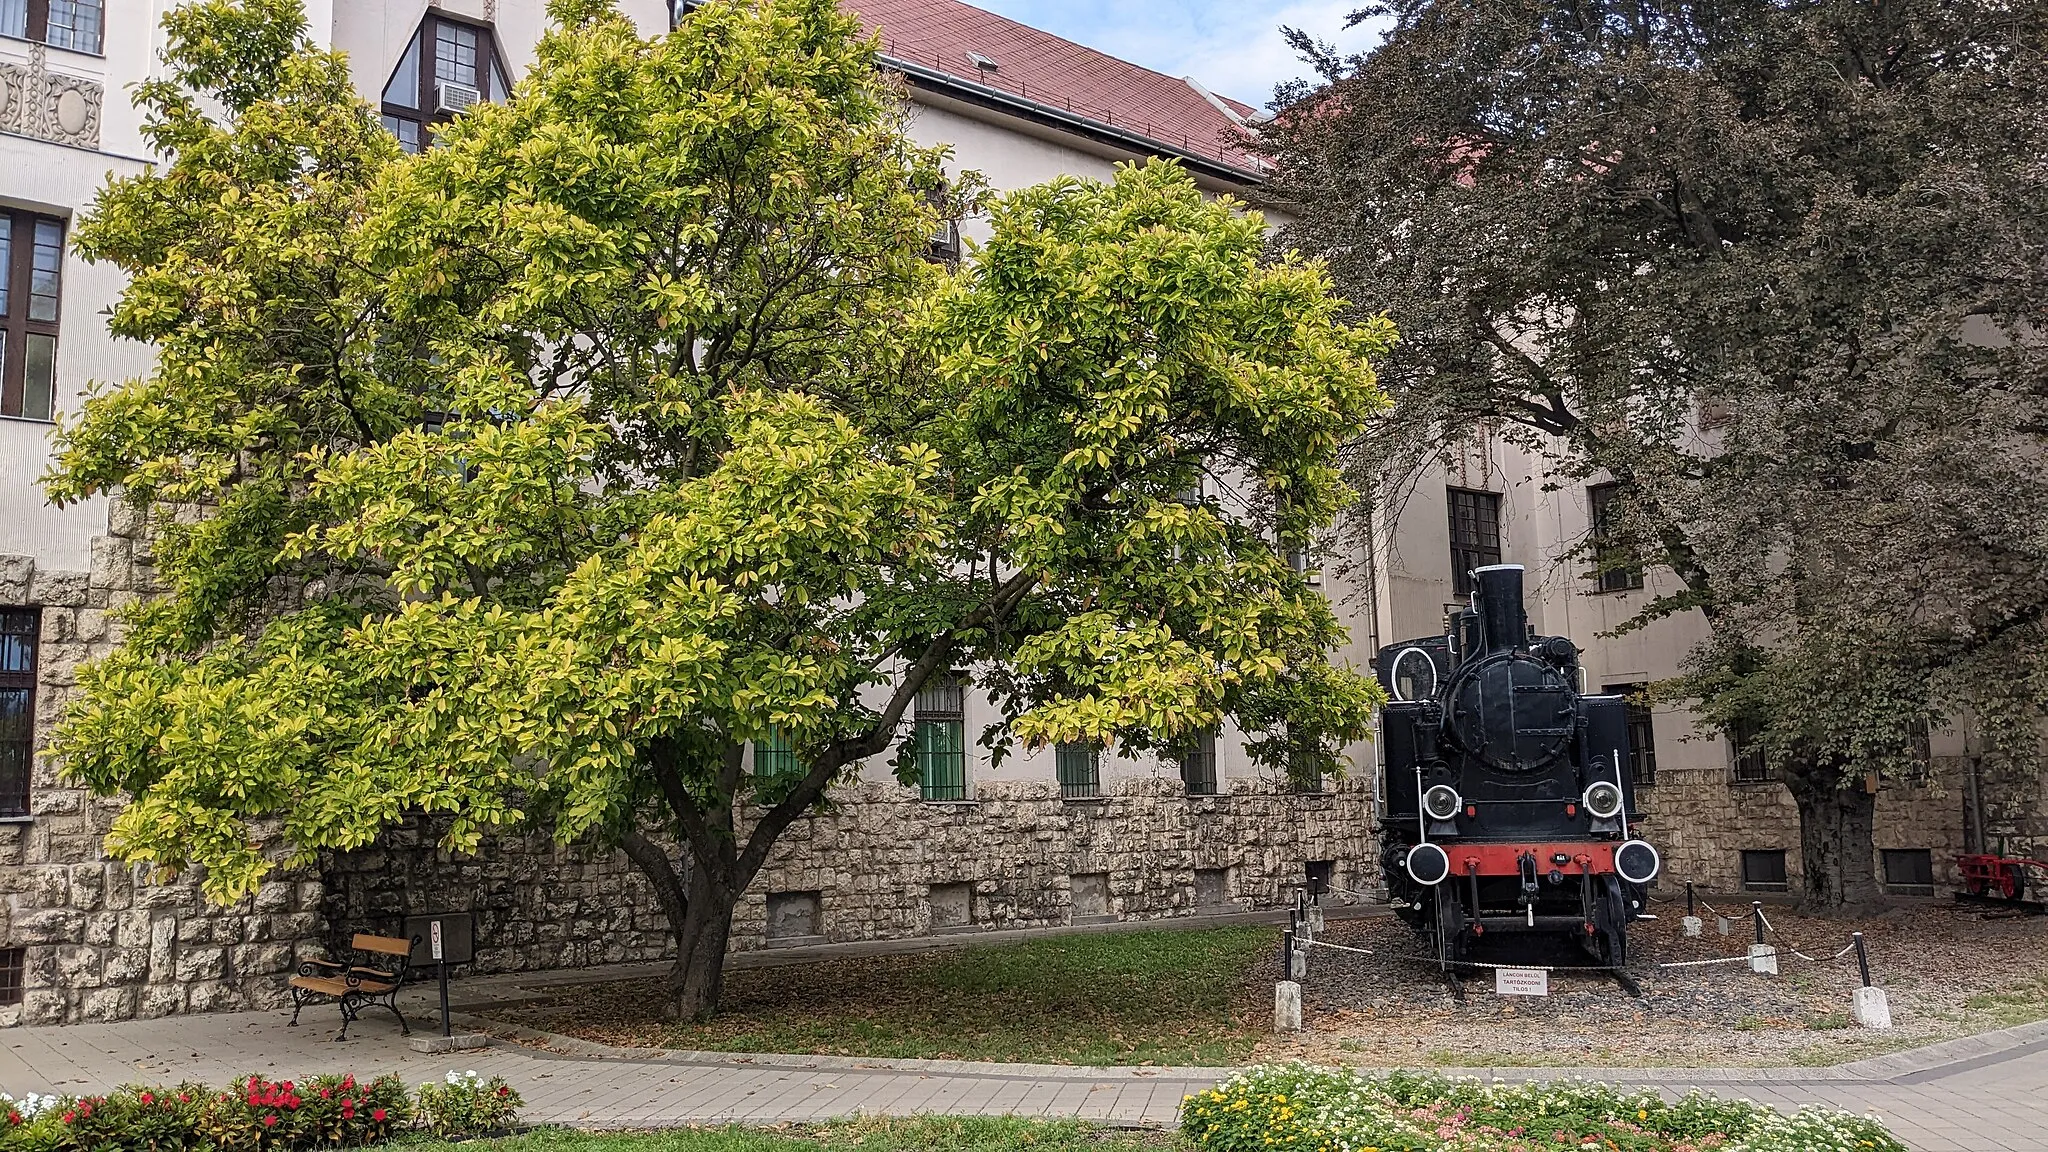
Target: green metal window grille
<point x="1198" y="767"/>
<point x="1080" y="770"/>
<point x="940" y="741"/>
<point x="773" y="756"/>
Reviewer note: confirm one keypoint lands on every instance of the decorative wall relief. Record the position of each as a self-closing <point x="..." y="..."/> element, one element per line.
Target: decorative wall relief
<point x="35" y="101"/>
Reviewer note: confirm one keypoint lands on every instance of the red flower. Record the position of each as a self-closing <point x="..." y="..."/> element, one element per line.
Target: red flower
<point x="70" y="1116"/>
<point x="349" y="1081"/>
<point x="270" y="1121"/>
<point x="287" y="1085"/>
<point x="504" y="1091"/>
<point x="377" y="1114"/>
<point x="148" y="1099"/>
<point x="326" y="1094"/>
<point x="85" y="1110"/>
<point x="184" y="1097"/>
<point x="13" y="1117"/>
<point x="348" y="1111"/>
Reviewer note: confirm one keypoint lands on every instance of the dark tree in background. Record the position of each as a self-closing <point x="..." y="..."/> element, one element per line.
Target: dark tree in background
<point x="1778" y="268"/>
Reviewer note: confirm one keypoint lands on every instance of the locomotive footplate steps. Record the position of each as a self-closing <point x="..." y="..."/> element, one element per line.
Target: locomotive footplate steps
<point x="1509" y="803"/>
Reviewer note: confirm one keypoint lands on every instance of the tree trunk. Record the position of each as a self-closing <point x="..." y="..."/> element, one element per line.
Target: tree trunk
<point x="1836" y="839"/>
<point x="698" y="977"/>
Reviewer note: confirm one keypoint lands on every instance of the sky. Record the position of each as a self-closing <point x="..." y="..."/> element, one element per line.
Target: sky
<point x="1234" y="49"/>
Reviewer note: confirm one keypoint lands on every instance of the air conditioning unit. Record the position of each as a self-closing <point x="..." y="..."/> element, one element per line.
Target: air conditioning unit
<point x="455" y="97"/>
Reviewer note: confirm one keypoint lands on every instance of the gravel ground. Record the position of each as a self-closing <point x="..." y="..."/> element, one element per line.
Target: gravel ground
<point x="1947" y="972"/>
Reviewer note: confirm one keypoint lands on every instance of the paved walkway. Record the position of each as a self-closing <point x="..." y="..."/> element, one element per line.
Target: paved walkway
<point x="1982" y="1094"/>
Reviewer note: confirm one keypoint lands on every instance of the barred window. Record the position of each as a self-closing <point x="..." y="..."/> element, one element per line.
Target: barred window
<point x="1642" y="733"/>
<point x="13" y="967"/>
<point x="1475" y="535"/>
<point x="1080" y="770"/>
<point x="1198" y="766"/>
<point x="20" y="630"/>
<point x="1611" y="567"/>
<point x="1750" y="765"/>
<point x="773" y="757"/>
<point x="1909" y="871"/>
<point x="1763" y="870"/>
<point x="940" y="742"/>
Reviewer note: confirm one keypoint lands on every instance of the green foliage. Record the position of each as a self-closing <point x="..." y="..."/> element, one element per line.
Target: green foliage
<point x="1779" y="270"/>
<point x="1298" y="1106"/>
<point x="527" y="480"/>
<point x="466" y="1105"/>
<point x="254" y="1114"/>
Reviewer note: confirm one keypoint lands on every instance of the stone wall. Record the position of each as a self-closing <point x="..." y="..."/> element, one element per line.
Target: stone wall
<point x="1702" y="822"/>
<point x="101" y="940"/>
<point x="882" y="863"/>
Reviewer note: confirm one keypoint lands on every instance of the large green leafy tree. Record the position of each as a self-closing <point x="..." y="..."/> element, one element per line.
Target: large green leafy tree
<point x="1776" y="267"/>
<point x="527" y="481"/>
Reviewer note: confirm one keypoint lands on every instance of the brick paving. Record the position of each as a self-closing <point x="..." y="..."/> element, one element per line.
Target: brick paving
<point x="1982" y="1094"/>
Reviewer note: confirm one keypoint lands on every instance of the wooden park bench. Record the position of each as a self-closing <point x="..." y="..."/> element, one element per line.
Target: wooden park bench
<point x="374" y="983"/>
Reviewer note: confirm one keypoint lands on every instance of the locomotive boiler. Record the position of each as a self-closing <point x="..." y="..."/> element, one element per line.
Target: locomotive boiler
<point x="1508" y="804"/>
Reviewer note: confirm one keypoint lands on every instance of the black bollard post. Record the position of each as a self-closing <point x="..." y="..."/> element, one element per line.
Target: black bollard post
<point x="1287" y="954"/>
<point x="1862" y="958"/>
<point x="1688" y="898"/>
<point x="1756" y="911"/>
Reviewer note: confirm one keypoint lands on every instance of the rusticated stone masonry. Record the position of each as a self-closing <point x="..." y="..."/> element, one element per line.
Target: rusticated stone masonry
<point x="883" y="863"/>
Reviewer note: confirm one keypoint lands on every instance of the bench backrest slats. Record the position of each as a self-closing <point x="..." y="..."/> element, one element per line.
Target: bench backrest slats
<point x="383" y="945"/>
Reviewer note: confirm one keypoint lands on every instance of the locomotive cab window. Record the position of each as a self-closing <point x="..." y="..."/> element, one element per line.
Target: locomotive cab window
<point x="1763" y="870"/>
<point x="1414" y="675"/>
<point x="1909" y="871"/>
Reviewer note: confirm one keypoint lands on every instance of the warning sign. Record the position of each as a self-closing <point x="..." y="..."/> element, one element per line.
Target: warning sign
<point x="1521" y="981"/>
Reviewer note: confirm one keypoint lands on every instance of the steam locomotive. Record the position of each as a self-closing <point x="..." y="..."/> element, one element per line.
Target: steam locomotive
<point x="1508" y="804"/>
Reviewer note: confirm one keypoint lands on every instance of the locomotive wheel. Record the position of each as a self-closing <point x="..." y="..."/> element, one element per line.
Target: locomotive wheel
<point x="2012" y="881"/>
<point x="1610" y="922"/>
<point x="1974" y="885"/>
<point x="1450" y="929"/>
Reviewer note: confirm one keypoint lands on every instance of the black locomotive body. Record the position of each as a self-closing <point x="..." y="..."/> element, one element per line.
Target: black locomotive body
<point x="1508" y="803"/>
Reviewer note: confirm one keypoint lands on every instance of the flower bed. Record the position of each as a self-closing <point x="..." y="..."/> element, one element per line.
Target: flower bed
<point x="1301" y="1108"/>
<point x="255" y="1115"/>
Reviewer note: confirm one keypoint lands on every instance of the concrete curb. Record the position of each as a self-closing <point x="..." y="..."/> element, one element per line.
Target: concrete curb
<point x="1926" y="1062"/>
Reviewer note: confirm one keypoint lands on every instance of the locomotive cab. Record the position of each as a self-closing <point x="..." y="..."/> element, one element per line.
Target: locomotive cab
<point x="1508" y="805"/>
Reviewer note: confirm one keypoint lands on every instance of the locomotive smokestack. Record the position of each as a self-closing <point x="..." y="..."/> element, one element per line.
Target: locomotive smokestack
<point x="1503" y="620"/>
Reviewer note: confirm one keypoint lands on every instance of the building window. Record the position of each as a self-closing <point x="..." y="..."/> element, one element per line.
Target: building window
<point x="774" y="757"/>
<point x="941" y="739"/>
<point x="1305" y="566"/>
<point x="1080" y="770"/>
<point x="1198" y="766"/>
<point x="1750" y="765"/>
<point x="20" y="629"/>
<point x="1642" y="733"/>
<point x="1909" y="871"/>
<point x="31" y="281"/>
<point x="13" y="962"/>
<point x="1611" y="567"/>
<point x="72" y="24"/>
<point x="1475" y="535"/>
<point x="1763" y="870"/>
<point x="448" y="66"/>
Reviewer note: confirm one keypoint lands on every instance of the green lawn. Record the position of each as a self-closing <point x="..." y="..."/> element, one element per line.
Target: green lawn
<point x="1145" y="997"/>
<point x="924" y="1134"/>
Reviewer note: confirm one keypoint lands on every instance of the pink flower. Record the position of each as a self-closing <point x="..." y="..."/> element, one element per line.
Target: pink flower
<point x="270" y="1121"/>
<point x="377" y="1114"/>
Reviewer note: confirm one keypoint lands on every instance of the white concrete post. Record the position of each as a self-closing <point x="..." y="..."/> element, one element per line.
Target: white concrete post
<point x="1763" y="959"/>
<point x="1870" y="1009"/>
<point x="1691" y="924"/>
<point x="1287" y="1006"/>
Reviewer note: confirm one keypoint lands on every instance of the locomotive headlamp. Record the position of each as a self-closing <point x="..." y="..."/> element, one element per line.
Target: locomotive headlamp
<point x="1603" y="800"/>
<point x="1442" y="802"/>
<point x="1428" y="864"/>
<point x="1637" y="862"/>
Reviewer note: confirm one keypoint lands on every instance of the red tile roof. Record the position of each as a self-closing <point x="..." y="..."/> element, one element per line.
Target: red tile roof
<point x="1060" y="74"/>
